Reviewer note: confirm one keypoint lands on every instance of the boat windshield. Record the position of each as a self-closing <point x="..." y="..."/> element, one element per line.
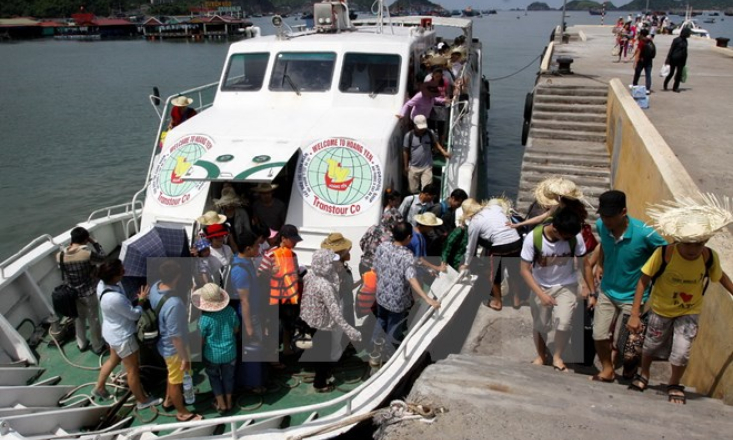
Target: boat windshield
<point x="302" y="71"/>
<point x="246" y="72"/>
<point x="372" y="73"/>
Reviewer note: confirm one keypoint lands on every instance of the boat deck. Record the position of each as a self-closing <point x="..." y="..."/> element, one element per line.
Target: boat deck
<point x="286" y="388"/>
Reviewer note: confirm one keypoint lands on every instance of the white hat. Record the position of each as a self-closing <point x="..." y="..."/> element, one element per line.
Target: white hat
<point x="228" y="199"/>
<point x="470" y="207"/>
<point x="548" y="192"/>
<point x="210" y="298"/>
<point x="182" y="101"/>
<point x="211" y="218"/>
<point x="428" y="219"/>
<point x="421" y="122"/>
<point x="692" y="220"/>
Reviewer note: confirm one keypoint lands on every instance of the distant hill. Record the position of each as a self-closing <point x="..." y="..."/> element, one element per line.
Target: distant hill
<point x="584" y="5"/>
<point x="666" y="5"/>
<point x="415" y="5"/>
<point x="538" y="6"/>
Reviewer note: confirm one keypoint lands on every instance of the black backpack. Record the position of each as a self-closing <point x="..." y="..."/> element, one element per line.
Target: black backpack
<point x="650" y="51"/>
<point x="148" y="332"/>
<point x="64" y="296"/>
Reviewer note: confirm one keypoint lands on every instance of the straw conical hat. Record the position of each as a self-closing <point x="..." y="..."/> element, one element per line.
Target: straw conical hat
<point x="692" y="220"/>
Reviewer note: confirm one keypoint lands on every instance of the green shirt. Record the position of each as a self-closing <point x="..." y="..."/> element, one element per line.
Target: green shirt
<point x="455" y="247"/>
<point x="217" y="332"/>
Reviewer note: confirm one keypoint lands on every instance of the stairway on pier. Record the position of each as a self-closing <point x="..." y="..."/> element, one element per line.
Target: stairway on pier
<point x="567" y="137"/>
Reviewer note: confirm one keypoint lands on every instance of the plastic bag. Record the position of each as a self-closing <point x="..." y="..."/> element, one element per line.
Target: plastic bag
<point x="684" y="75"/>
<point x="664" y="71"/>
<point x="616" y="51"/>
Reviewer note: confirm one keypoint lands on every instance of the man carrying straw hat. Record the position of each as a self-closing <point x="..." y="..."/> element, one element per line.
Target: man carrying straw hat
<point x="679" y="274"/>
<point x="181" y="111"/>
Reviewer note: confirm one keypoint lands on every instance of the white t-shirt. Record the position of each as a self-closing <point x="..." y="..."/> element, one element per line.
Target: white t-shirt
<point x="555" y="267"/>
<point x="219" y="258"/>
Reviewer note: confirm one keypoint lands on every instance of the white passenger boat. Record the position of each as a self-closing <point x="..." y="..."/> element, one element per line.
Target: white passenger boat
<point x="286" y="111"/>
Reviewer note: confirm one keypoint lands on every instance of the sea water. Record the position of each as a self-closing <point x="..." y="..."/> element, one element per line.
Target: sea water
<point x="77" y="130"/>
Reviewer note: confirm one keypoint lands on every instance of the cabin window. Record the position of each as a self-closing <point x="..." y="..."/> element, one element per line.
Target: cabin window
<point x="246" y="72"/>
<point x="373" y="73"/>
<point x="302" y="72"/>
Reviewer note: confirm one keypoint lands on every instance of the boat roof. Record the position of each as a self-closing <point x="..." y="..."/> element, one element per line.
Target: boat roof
<point x="416" y="20"/>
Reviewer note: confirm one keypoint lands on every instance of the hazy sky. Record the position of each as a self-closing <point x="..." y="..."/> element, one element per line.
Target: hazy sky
<point x="503" y="4"/>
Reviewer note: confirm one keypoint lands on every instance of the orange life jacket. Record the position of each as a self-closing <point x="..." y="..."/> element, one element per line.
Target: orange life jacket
<point x="284" y="284"/>
<point x="367" y="295"/>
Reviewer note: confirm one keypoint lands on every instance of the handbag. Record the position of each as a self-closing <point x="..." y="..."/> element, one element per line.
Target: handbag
<point x="64" y="296"/>
<point x="630" y="344"/>
<point x="588" y="238"/>
<point x="664" y="71"/>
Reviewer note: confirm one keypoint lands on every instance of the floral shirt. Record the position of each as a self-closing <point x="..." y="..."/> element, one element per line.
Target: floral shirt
<point x="395" y="267"/>
<point x="321" y="307"/>
<point x="378" y="234"/>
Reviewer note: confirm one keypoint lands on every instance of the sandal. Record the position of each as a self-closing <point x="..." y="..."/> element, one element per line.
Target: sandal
<point x="639" y="383"/>
<point x="599" y="378"/>
<point x="192" y="417"/>
<point x="326" y="389"/>
<point x="676" y="394"/>
<point x="493" y="305"/>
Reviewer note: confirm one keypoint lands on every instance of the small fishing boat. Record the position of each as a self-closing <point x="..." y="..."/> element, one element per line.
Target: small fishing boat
<point x="286" y="112"/>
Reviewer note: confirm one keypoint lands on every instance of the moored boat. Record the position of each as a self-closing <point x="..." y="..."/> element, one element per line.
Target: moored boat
<point x="287" y="112"/>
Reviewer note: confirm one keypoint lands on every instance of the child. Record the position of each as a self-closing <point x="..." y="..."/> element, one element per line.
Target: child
<point x="679" y="273"/>
<point x="203" y="268"/>
<point x="218" y="325"/>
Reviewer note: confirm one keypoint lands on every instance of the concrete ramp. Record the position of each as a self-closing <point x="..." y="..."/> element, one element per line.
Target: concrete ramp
<point x="495" y="397"/>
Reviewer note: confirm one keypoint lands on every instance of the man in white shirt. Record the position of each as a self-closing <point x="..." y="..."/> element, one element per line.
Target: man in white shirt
<point x="548" y="268"/>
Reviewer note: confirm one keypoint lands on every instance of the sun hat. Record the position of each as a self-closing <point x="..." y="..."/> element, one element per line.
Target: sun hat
<point x="211" y="218"/>
<point x="428" y="219"/>
<point x="210" y="298"/>
<point x="548" y="192"/>
<point x="228" y="198"/>
<point x="470" y="207"/>
<point x="201" y="244"/>
<point x="336" y="242"/>
<point x="181" y="101"/>
<point x="264" y="187"/>
<point x="290" y="232"/>
<point x="215" y="230"/>
<point x="692" y="220"/>
<point x="502" y="202"/>
<point x="421" y="122"/>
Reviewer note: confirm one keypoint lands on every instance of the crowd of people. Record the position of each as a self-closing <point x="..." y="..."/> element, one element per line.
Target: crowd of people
<point x="635" y="42"/>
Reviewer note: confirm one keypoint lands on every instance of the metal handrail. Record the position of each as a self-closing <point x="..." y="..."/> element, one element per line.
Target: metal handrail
<point x="13" y="258"/>
<point x="128" y="207"/>
<point x="451" y="126"/>
<point x="347" y="398"/>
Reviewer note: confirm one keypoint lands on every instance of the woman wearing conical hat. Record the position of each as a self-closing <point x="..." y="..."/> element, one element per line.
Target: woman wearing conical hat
<point x="181" y="111"/>
<point x="680" y="273"/>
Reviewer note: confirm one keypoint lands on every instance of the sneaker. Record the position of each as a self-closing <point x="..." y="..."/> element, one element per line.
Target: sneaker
<point x="100" y="351"/>
<point x="85" y="347"/>
<point x="150" y="401"/>
<point x="101" y="394"/>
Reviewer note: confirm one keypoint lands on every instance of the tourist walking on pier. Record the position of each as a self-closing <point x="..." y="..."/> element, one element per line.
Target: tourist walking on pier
<point x="679" y="274"/>
<point x="645" y="53"/>
<point x="626" y="244"/>
<point x="677" y="59"/>
<point x="549" y="271"/>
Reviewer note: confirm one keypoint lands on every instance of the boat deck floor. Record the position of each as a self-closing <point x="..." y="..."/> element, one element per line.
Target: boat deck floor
<point x="286" y="388"/>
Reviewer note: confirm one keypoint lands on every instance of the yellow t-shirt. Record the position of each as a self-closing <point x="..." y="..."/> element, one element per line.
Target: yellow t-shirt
<point x="678" y="291"/>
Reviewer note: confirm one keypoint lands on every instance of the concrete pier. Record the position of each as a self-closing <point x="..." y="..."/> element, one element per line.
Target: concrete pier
<point x="679" y="146"/>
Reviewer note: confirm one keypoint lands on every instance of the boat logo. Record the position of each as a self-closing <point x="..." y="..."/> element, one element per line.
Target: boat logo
<point x="261" y="159"/>
<point x="225" y="158"/>
<point x="167" y="185"/>
<point x="339" y="176"/>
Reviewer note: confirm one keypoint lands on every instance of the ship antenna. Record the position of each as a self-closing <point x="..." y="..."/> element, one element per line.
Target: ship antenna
<point x="381" y="11"/>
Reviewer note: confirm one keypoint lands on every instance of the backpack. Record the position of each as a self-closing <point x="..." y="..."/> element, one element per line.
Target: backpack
<point x="537" y="241"/>
<point x="650" y="51"/>
<point x="148" y="332"/>
<point x="413" y="199"/>
<point x="411" y="136"/>
<point x="667" y="257"/>
<point x="64" y="296"/>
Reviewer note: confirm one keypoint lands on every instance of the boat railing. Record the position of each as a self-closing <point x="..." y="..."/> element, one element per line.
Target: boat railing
<point x="30" y="246"/>
<point x="400" y="353"/>
<point x="124" y="208"/>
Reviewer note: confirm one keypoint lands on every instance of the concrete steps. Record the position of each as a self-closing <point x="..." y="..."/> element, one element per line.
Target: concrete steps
<point x="572" y="91"/>
<point x="568" y="134"/>
<point x="564" y="125"/>
<point x="597" y="117"/>
<point x="514" y="399"/>
<point x="570" y="99"/>
<point x="569" y="108"/>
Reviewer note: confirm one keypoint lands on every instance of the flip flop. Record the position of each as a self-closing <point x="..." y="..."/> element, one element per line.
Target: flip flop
<point x="190" y="417"/>
<point x="493" y="306"/>
<point x="563" y="369"/>
<point x="599" y="378"/>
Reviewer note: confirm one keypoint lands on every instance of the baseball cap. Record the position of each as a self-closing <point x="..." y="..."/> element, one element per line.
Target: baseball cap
<point x="421" y="122"/>
<point x="611" y="203"/>
<point x="291" y="232"/>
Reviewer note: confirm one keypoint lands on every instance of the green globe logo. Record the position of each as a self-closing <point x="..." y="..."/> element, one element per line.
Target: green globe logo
<point x="175" y="167"/>
<point x="339" y="176"/>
